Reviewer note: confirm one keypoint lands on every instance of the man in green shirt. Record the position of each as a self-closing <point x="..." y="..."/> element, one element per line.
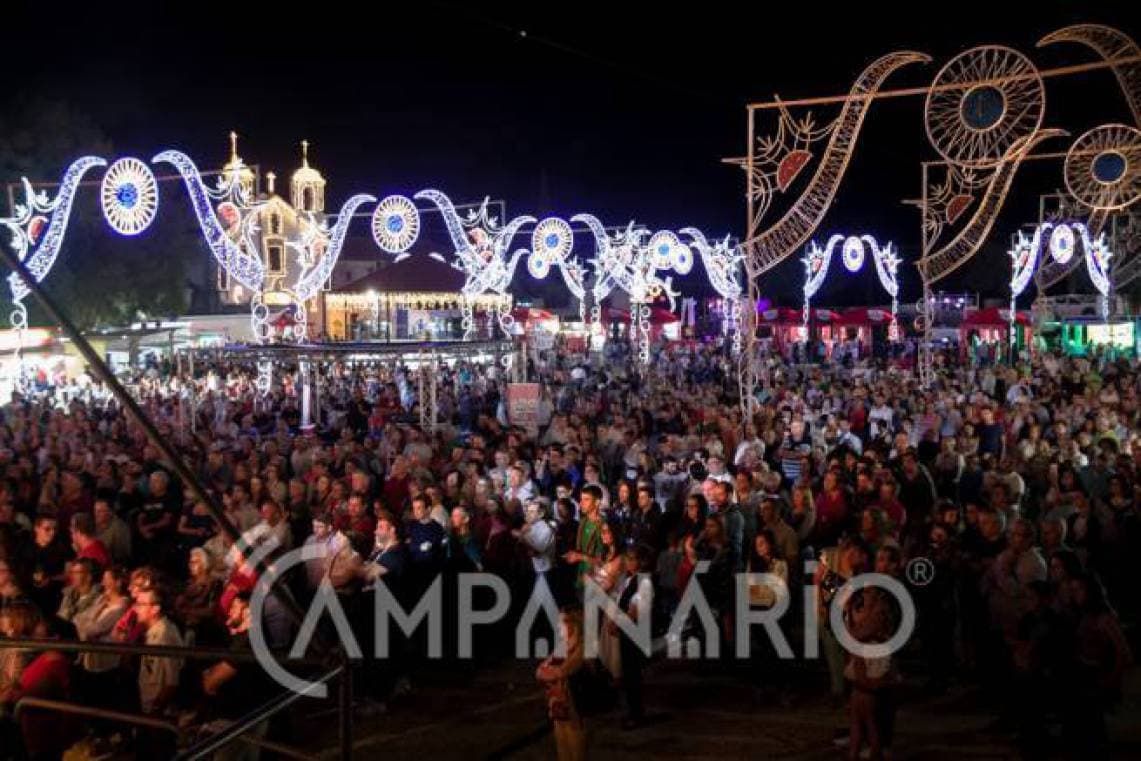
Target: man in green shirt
<point x="588" y="547"/>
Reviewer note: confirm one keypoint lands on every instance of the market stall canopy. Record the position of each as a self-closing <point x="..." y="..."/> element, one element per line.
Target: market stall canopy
<point x="864" y="316"/>
<point x="614" y="314"/>
<point x="824" y="315"/>
<point x="780" y="315"/>
<point x="531" y="314"/>
<point x="992" y="317"/>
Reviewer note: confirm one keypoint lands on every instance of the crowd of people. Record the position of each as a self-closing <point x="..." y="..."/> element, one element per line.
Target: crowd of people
<point x="1018" y="486"/>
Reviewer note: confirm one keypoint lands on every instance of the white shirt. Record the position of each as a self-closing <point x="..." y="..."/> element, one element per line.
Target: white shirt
<point x="540" y="539"/>
<point x="158" y="673"/>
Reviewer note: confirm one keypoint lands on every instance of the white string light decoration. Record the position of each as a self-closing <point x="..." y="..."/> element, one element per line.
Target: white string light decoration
<point x="483" y="253"/>
<point x="853" y="247"/>
<point x="776" y="162"/>
<point x="1061" y="239"/>
<point x="551" y="244"/>
<point x="1103" y="167"/>
<point x="395" y="224"/>
<point x="318" y="250"/>
<point x="129" y="196"/>
<point x="233" y="244"/>
<point x="38" y="227"/>
<point x="661" y="249"/>
<point x="974" y="125"/>
<point x="723" y="266"/>
<point x="552" y="239"/>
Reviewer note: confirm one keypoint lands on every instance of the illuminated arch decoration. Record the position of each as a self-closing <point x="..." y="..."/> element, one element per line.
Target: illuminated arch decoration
<point x="981" y="103"/>
<point x="318" y="250"/>
<point x="234" y="245"/>
<point x="551" y="244"/>
<point x="395" y="224"/>
<point x="37" y="229"/>
<point x="983" y="115"/>
<point x="853" y="247"/>
<point x="661" y="249"/>
<point x="622" y="261"/>
<point x="777" y="160"/>
<point x="1124" y="57"/>
<point x="723" y="267"/>
<point x="552" y="239"/>
<point x="1027" y="252"/>
<point x="129" y="195"/>
<point x="1111" y="45"/>
<point x="1103" y="167"/>
<point x="483" y="253"/>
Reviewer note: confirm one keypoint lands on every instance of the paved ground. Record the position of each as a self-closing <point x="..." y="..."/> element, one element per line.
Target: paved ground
<point x="698" y="712"/>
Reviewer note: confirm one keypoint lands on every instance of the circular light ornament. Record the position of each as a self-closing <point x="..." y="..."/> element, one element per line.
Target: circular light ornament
<point x="853" y="254"/>
<point x="538" y="265"/>
<point x="552" y="239"/>
<point x="129" y="195"/>
<point x="395" y="224"/>
<point x="1062" y="244"/>
<point x="1103" y="167"/>
<point x="682" y="259"/>
<point x="981" y="103"/>
<point x="661" y="248"/>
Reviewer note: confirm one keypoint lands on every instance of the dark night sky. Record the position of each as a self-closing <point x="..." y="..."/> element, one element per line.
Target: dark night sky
<point x="621" y="109"/>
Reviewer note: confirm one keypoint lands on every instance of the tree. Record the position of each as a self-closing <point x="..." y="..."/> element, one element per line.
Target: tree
<point x="100" y="278"/>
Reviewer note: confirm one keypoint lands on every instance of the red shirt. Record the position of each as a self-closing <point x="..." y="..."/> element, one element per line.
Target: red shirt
<point x="831" y="512"/>
<point x="96" y="552"/>
<point x="237" y="583"/>
<point x="895" y="513"/>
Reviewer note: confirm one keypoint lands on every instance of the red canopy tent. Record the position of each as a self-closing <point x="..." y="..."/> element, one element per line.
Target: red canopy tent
<point x="662" y="316"/>
<point x="824" y="316"/>
<point x="992" y="326"/>
<point x="531" y="314"/>
<point x="787" y="326"/>
<point x="780" y="316"/>
<point x="863" y="320"/>
<point x="993" y="317"/>
<point x="864" y="316"/>
<point x="614" y="314"/>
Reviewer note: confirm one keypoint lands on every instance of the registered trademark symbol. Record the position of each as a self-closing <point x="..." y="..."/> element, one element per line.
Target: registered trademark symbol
<point x="920" y="572"/>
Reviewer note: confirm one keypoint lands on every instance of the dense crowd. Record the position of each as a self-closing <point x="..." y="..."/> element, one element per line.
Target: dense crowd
<point x="1019" y="485"/>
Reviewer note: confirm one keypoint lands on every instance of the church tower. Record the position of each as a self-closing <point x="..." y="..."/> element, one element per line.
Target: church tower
<point x="307" y="187"/>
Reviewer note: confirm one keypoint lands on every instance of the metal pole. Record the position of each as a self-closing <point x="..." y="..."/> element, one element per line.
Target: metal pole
<point x="188" y="477"/>
<point x="953" y="87"/>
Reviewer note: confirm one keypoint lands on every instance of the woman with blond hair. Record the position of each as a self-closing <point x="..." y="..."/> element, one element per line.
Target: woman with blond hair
<point x="555" y="674"/>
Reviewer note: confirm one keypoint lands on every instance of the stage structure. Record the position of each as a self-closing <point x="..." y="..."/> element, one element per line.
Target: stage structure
<point x="853" y="250"/>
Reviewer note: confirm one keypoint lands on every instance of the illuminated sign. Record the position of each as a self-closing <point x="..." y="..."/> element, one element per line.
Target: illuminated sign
<point x="1118" y="334"/>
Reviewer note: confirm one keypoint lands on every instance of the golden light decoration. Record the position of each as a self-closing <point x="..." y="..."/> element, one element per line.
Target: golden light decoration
<point x="981" y="103"/>
<point x="1103" y="167"/>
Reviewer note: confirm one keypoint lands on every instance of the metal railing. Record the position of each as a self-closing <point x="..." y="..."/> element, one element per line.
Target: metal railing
<point x="190" y="479"/>
<point x="237" y="731"/>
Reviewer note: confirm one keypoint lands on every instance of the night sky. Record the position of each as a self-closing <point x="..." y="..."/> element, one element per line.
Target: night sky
<point x="620" y="109"/>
